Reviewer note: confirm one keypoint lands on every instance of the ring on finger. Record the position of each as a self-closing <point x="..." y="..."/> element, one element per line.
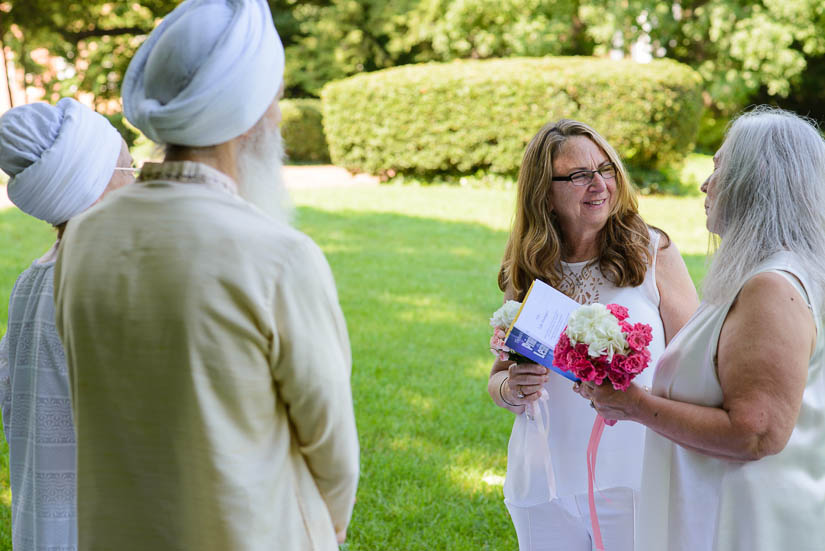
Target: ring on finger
<point x="520" y="392"/>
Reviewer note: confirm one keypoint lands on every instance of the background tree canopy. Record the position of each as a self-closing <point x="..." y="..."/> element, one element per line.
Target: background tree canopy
<point x="746" y="51"/>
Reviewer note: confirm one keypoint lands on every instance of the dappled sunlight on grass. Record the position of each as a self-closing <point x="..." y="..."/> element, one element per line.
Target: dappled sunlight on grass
<point x="472" y="472"/>
<point x="416" y="271"/>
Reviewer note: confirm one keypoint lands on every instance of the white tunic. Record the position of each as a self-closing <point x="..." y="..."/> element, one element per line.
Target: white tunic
<point x="209" y="367"/>
<point x="37" y="418"/>
<point x="694" y="502"/>
<point x="619" y="459"/>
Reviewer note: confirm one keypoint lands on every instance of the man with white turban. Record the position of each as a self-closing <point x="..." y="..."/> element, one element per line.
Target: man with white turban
<point x="60" y="161"/>
<point x="208" y="354"/>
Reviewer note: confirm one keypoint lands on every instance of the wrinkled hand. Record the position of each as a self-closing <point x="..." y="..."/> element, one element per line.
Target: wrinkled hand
<point x="525" y="382"/>
<point x="610" y="403"/>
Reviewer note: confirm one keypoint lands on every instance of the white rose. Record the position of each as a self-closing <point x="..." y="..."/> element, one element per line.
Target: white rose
<point x="504" y="316"/>
<point x="595" y="326"/>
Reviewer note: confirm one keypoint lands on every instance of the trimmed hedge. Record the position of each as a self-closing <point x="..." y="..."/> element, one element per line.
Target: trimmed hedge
<point x="468" y="115"/>
<point x="303" y="131"/>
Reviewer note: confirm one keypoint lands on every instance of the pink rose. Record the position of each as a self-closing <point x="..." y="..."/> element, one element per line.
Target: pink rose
<point x="636" y="341"/>
<point x="634" y="364"/>
<point x="639" y="336"/>
<point x="619" y="312"/>
<point x="561" y="352"/>
<point x="584" y="370"/>
<point x="620" y="379"/>
<point x="645" y="330"/>
<point x="575" y="355"/>
<point x="646" y="355"/>
<point x="625" y="327"/>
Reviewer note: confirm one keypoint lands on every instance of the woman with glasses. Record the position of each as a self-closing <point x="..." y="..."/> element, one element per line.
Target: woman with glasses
<point x="735" y="453"/>
<point x="577" y="228"/>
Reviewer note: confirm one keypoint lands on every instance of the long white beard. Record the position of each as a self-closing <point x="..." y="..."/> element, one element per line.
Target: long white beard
<point x="260" y="174"/>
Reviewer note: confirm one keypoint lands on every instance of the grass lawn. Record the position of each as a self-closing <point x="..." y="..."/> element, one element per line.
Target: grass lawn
<point x="416" y="271"/>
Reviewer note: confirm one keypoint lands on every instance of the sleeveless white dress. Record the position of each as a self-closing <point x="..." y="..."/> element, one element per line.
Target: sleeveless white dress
<point x="694" y="502"/>
<point x="619" y="459"/>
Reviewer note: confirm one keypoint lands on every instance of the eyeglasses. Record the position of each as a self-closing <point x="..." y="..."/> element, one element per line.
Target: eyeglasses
<point x="585" y="177"/>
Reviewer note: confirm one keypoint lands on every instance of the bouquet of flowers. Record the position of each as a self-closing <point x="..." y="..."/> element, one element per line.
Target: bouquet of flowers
<point x="598" y="343"/>
<point x="501" y="321"/>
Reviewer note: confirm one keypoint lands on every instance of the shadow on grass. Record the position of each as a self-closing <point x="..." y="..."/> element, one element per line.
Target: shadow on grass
<point x="417" y="294"/>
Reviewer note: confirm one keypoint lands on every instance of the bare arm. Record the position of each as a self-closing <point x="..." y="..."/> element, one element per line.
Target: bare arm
<point x="678" y="295"/>
<point x="764" y="350"/>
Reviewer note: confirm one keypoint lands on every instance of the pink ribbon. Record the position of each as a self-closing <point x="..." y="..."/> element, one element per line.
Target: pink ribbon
<point x="592" y="448"/>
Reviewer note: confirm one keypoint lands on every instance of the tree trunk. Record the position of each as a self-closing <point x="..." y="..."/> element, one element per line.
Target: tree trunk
<point x="6" y="68"/>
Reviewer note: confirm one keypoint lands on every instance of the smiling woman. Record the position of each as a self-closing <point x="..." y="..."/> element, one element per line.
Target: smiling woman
<point x="577" y="228"/>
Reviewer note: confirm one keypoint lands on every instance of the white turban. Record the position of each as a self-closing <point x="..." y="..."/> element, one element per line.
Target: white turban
<point x="59" y="158"/>
<point x="206" y="74"/>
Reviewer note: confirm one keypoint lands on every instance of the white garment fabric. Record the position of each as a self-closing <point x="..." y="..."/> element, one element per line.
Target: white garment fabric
<point x="206" y="74"/>
<point x="210" y="372"/>
<point x="619" y="459"/>
<point x="59" y="158"/>
<point x="694" y="502"/>
<point x="37" y="418"/>
<point x="564" y="524"/>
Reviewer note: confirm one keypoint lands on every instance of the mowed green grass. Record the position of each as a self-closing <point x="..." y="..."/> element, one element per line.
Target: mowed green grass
<point x="416" y="273"/>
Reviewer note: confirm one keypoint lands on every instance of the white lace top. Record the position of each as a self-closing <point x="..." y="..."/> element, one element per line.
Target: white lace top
<point x="619" y="459"/>
<point x="37" y="418"/>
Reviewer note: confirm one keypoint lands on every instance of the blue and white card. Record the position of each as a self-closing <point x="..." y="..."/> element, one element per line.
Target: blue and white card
<point x="539" y="323"/>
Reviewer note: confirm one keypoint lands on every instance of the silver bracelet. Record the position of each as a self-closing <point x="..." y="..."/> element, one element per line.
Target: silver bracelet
<point x="501" y="394"/>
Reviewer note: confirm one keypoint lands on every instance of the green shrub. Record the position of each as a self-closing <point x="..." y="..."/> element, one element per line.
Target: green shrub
<point x="712" y="128"/>
<point x="303" y="131"/>
<point x="468" y="115"/>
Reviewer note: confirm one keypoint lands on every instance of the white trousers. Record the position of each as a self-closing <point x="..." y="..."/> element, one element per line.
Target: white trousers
<point x="564" y="523"/>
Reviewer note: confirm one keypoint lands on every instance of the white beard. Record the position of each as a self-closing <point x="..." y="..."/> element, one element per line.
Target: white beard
<point x="260" y="174"/>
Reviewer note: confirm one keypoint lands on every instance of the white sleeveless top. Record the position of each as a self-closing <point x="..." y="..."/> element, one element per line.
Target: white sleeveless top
<point x="619" y="459"/>
<point x="694" y="502"/>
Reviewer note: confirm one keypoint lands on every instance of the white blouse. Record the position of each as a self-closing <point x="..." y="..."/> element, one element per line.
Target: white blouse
<point x="691" y="501"/>
<point x="619" y="458"/>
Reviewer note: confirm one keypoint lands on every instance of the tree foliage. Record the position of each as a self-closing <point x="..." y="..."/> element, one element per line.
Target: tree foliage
<point x="744" y="49"/>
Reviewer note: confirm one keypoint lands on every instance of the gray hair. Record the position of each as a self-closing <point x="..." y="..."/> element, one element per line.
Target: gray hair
<point x="770" y="198"/>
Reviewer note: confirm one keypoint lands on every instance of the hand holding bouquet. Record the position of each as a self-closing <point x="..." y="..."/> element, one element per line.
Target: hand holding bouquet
<point x="531" y="376"/>
<point x="599" y="345"/>
<point x="501" y="321"/>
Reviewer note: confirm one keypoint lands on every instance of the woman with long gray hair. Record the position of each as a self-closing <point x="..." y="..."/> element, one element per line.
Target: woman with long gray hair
<point x="735" y="451"/>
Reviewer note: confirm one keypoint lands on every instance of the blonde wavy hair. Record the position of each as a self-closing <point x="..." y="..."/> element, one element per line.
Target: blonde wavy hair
<point x="536" y="244"/>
